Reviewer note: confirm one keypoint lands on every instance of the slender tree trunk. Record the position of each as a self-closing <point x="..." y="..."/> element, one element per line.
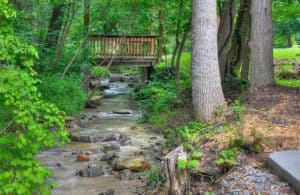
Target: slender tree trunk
<point x="245" y="63"/>
<point x="55" y="25"/>
<point x="152" y="21"/>
<point x="86" y="23"/>
<point x="206" y="81"/>
<point x="160" y="34"/>
<point x="261" y="44"/>
<point x="178" y="25"/>
<point x="63" y="35"/>
<point x="245" y="51"/>
<point x="225" y="34"/>
<point x="289" y="41"/>
<point x="178" y="59"/>
<point x="240" y="38"/>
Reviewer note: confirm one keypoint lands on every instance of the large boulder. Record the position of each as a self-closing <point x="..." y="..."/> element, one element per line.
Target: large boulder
<point x="136" y="164"/>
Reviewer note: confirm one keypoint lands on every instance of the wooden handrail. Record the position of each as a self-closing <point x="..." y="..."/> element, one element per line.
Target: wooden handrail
<point x="123" y="46"/>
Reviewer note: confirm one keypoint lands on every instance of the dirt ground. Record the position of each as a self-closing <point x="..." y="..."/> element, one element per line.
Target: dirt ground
<point x="274" y="112"/>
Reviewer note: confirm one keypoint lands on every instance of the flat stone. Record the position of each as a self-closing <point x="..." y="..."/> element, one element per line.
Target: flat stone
<point x="122" y="112"/>
<point x="287" y="165"/>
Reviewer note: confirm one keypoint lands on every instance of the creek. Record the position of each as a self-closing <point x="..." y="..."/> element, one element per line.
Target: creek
<point x="105" y="136"/>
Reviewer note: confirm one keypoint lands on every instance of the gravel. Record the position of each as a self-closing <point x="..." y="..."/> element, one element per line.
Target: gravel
<point x="247" y="180"/>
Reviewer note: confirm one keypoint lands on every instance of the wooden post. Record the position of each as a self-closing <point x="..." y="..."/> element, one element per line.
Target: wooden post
<point x="144" y="75"/>
<point x="85" y="71"/>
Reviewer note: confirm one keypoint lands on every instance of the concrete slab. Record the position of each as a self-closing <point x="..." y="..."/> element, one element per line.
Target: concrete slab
<point x="287" y="165"/>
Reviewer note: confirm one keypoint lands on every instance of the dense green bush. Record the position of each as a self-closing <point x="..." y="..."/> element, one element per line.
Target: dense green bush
<point x="157" y="102"/>
<point x="100" y="72"/>
<point x="29" y="125"/>
<point x="66" y="94"/>
<point x="190" y="135"/>
<point x="154" y="177"/>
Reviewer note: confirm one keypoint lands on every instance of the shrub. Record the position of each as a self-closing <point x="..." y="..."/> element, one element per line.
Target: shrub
<point x="190" y="135"/>
<point x="100" y="72"/>
<point x="189" y="164"/>
<point x="157" y="102"/>
<point x="154" y="177"/>
<point x="66" y="94"/>
<point x="235" y="84"/>
<point x="238" y="110"/>
<point x="227" y="158"/>
<point x="31" y="124"/>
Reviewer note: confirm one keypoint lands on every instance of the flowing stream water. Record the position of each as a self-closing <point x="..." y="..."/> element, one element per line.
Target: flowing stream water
<point x="120" y="131"/>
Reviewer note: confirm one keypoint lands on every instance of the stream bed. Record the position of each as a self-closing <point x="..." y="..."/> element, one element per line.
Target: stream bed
<point x="103" y="141"/>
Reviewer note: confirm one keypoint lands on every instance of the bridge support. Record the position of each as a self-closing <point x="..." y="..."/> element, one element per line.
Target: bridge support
<point x="146" y="74"/>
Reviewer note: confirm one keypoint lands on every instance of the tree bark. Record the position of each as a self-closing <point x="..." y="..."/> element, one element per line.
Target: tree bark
<point x="176" y="179"/>
<point x="86" y="24"/>
<point x="261" y="44"/>
<point x="178" y="59"/>
<point x="178" y="25"/>
<point x="245" y="63"/>
<point x="225" y="34"/>
<point x="55" y="25"/>
<point x="289" y="41"/>
<point x="245" y="50"/>
<point x="63" y="35"/>
<point x="240" y="38"/>
<point x="160" y="34"/>
<point x="206" y="81"/>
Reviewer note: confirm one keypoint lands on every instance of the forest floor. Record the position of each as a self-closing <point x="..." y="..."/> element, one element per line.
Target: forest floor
<point x="273" y="112"/>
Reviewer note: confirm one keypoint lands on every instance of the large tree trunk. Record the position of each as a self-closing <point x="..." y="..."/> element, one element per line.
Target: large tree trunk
<point x="261" y="44"/>
<point x="206" y="82"/>
<point x="225" y="33"/>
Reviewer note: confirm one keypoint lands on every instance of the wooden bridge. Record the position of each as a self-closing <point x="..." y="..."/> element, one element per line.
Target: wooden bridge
<point x="124" y="50"/>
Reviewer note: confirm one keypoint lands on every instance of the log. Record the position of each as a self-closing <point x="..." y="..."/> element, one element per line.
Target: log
<point x="176" y="179"/>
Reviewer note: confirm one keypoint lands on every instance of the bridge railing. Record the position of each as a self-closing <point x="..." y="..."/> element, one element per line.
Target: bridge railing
<point x="123" y="46"/>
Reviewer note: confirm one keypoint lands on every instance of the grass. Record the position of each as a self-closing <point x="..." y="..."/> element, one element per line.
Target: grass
<point x="287" y="53"/>
<point x="290" y="83"/>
